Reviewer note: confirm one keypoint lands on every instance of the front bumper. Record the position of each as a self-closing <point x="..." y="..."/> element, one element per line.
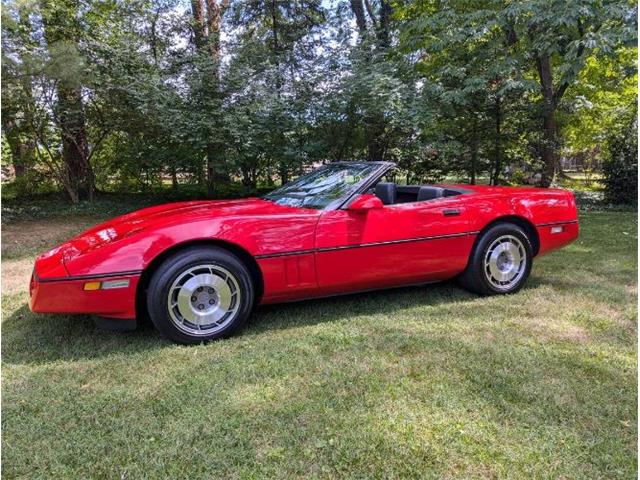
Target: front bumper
<point x="67" y="295"/>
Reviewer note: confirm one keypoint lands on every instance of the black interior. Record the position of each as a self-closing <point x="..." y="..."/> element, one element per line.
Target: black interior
<point x="390" y="193"/>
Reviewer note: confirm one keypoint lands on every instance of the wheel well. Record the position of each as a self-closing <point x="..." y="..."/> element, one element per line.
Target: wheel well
<point x="523" y="223"/>
<point x="242" y="254"/>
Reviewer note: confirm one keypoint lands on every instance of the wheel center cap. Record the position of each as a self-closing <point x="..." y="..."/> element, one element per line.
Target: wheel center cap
<point x="203" y="299"/>
<point x="504" y="261"/>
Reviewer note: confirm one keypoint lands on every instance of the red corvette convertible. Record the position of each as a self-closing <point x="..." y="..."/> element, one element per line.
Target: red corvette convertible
<point x="198" y="268"/>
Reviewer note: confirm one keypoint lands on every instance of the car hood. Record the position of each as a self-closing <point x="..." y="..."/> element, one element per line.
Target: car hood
<point x="171" y="214"/>
<point x="52" y="263"/>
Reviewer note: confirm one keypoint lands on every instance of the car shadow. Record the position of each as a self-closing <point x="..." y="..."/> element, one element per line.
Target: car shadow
<point x="344" y="307"/>
<point x="28" y="338"/>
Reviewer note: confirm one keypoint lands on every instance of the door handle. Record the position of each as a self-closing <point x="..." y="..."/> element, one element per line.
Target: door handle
<point x="450" y="212"/>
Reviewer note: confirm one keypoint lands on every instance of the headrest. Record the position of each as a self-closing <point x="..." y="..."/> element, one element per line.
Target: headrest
<point x="429" y="193"/>
<point x="386" y="191"/>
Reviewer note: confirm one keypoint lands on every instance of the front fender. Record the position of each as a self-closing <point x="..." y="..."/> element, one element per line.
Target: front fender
<point x="257" y="236"/>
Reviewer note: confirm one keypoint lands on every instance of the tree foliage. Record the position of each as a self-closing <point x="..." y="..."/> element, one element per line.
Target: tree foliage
<point x="208" y="94"/>
<point x="621" y="165"/>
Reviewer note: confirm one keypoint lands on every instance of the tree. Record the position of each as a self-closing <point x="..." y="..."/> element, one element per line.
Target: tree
<point x="49" y="67"/>
<point x="558" y="37"/>
<point x="491" y="48"/>
<point x="604" y="95"/>
<point x="472" y="76"/>
<point x="62" y="33"/>
<point x="17" y="93"/>
<point x="368" y="58"/>
<point x="269" y="84"/>
<point x="138" y="95"/>
<point x="207" y="26"/>
<point x="621" y="165"/>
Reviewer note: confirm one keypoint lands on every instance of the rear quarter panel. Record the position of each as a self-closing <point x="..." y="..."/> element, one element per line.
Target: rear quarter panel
<point x="543" y="208"/>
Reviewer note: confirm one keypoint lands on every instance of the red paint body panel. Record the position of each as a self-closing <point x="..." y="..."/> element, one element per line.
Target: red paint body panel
<point x="131" y="242"/>
<point x="393" y="245"/>
<point x="387" y="265"/>
<point x="301" y="253"/>
<point x="553" y="241"/>
<point x="288" y="277"/>
<point x="540" y="207"/>
<point x="50" y="264"/>
<point x="68" y="296"/>
<point x="537" y="205"/>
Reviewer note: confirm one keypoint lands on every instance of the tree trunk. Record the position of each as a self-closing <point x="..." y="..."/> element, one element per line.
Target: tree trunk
<point x="276" y="48"/>
<point x="216" y="173"/>
<point x="549" y="125"/>
<point x="215" y="11"/>
<point x="217" y="164"/>
<point x="474" y="158"/>
<point x="18" y="132"/>
<point x="248" y="177"/>
<point x="154" y="36"/>
<point x="75" y="150"/>
<point x="19" y="149"/>
<point x="376" y="145"/>
<point x="497" y="142"/>
<point x="60" y="26"/>
<point x="384" y="24"/>
<point x="358" y="11"/>
<point x="174" y="178"/>
<point x="19" y="168"/>
<point x="374" y="123"/>
<point x="207" y="23"/>
<point x="199" y="24"/>
<point x="283" y="168"/>
<point x="284" y="175"/>
<point x="376" y="138"/>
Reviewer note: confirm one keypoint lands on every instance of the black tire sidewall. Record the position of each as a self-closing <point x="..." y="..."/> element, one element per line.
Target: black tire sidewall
<point x="478" y="275"/>
<point x="172" y="267"/>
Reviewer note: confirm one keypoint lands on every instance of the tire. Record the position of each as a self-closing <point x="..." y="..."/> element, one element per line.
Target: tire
<point x="500" y="262"/>
<point x="200" y="294"/>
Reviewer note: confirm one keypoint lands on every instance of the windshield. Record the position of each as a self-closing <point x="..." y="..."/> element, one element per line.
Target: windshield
<point x="323" y="186"/>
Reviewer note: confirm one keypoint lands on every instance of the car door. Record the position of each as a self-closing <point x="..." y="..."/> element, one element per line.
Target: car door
<point x="398" y="244"/>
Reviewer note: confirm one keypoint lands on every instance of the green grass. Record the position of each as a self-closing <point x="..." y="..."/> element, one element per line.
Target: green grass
<point x="429" y="382"/>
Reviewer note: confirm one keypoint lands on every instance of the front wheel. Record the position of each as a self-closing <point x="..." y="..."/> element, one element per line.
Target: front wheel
<point x="200" y="294"/>
<point x="500" y="262"/>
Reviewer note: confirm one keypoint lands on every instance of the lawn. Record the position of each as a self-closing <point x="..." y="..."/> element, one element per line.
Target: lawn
<point x="428" y="382"/>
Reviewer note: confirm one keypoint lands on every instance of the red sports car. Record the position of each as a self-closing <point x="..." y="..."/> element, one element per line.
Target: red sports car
<point x="198" y="268"/>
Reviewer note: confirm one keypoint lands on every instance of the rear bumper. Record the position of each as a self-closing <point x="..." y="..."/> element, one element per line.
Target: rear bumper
<point x="67" y="295"/>
<point x="556" y="235"/>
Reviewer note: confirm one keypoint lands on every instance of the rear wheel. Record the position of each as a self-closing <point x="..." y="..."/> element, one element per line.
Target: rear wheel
<point x="200" y="294"/>
<point x="500" y="262"/>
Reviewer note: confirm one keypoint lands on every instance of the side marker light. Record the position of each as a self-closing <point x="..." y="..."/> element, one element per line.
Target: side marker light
<point x="106" y="285"/>
<point x="109" y="284"/>
<point x="92" y="286"/>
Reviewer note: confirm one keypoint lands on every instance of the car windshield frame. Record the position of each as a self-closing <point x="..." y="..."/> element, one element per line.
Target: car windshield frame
<point x="376" y="170"/>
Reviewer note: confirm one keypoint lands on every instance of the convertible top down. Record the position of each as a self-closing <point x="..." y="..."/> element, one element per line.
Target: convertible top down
<point x="198" y="268"/>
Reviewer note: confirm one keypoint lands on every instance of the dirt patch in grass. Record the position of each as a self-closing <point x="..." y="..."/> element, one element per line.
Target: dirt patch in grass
<point x="576" y="334"/>
<point x="22" y="241"/>
<point x="15" y="275"/>
<point x="31" y="237"/>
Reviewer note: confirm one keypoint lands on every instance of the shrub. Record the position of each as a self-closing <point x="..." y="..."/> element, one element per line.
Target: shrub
<point x="620" y="168"/>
